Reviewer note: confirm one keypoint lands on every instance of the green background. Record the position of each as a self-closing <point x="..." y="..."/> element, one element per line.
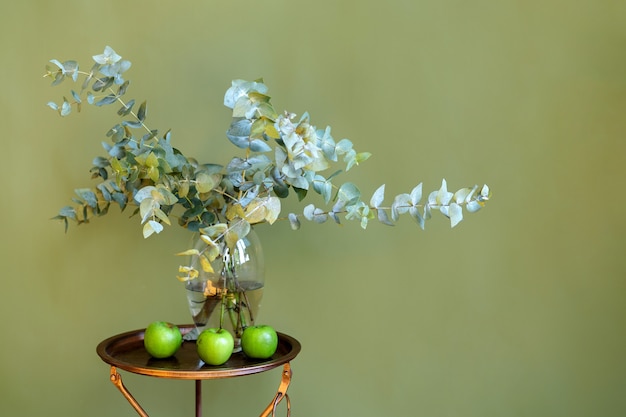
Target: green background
<point x="519" y="311"/>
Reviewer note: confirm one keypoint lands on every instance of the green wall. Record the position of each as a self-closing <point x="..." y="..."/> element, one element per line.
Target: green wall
<point x="519" y="311"/>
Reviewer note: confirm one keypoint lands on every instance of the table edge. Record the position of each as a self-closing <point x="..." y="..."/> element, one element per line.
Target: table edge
<point x="195" y="374"/>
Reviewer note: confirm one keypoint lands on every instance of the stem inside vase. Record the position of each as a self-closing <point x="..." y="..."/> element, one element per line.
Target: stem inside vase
<point x="229" y="298"/>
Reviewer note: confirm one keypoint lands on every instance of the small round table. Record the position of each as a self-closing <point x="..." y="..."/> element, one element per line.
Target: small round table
<point x="126" y="351"/>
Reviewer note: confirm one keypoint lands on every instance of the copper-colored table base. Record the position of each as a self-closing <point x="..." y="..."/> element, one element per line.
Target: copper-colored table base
<point x="126" y="351"/>
<point x="281" y="393"/>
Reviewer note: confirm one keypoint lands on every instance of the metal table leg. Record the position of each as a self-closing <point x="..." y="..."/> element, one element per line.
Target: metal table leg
<point x="198" y="398"/>
<point x="281" y="393"/>
<point x="116" y="379"/>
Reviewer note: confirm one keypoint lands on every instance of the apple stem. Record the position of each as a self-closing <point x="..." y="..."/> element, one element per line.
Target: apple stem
<point x="222" y="307"/>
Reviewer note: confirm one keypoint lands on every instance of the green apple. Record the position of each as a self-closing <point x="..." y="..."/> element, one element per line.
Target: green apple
<point x="162" y="339"/>
<point x="259" y="342"/>
<point x="215" y="346"/>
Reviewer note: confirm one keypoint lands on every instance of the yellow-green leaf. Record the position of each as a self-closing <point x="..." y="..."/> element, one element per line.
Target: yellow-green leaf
<point x="153" y="174"/>
<point x="206" y="265"/>
<point x="191" y="273"/>
<point x="166" y="196"/>
<point x="189" y="252"/>
<point x="152" y="160"/>
<point x="146" y="208"/>
<point x="271" y="131"/>
<point x="212" y="252"/>
<point x="206" y="239"/>
<point x="205" y="182"/>
<point x="216" y="230"/>
<point x="231" y="239"/>
<point x="161" y="215"/>
<point x="234" y="211"/>
<point x="183" y="189"/>
<point x="148" y="229"/>
<point x="256" y="211"/>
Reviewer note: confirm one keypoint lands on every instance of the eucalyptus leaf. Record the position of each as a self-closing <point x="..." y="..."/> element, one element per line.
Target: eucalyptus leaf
<point x="162" y="216"/>
<point x="126" y="108"/>
<point x="273" y="206"/>
<point x="456" y="214"/>
<point x="207" y="239"/>
<point x="58" y="78"/>
<point x="88" y="196"/>
<point x="166" y="196"/>
<point x="301" y="185"/>
<point x="106" y="195"/>
<point x="258" y="145"/>
<point x="416" y="194"/>
<point x="152" y="227"/>
<point x="102" y="84"/>
<point x="239" y="228"/>
<point x="416" y="215"/>
<point x="88" y="78"/>
<point x="348" y="192"/>
<point x="206" y="182"/>
<point x="384" y="218"/>
<point x="68" y="211"/>
<point x="427" y="212"/>
<point x="378" y="197"/>
<point x="485" y="193"/>
<point x="120" y="199"/>
<point x="256" y="211"/>
<point x="111" y="98"/>
<point x="215" y="231"/>
<point x="142" y="112"/>
<point x="323" y="187"/>
<point x="122" y="88"/>
<point x="189" y="252"/>
<point x="443" y="197"/>
<point x="241" y="88"/>
<point x="293" y="221"/>
<point x="146" y="209"/>
<point x="58" y="64"/>
<point x="144" y="193"/>
<point x="206" y="265"/>
<point x="309" y="211"/>
<point x="76" y="96"/>
<point x="100" y="162"/>
<point x="135" y="125"/>
<point x="239" y="133"/>
<point x="194" y="211"/>
<point x="66" y="108"/>
<point x="400" y="205"/>
<point x="319" y="216"/>
<point x="463" y="195"/>
<point x="343" y="146"/>
<point x="473" y="206"/>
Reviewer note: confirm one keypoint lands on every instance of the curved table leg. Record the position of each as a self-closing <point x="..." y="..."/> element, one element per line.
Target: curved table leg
<point x="116" y="379"/>
<point x="280" y="394"/>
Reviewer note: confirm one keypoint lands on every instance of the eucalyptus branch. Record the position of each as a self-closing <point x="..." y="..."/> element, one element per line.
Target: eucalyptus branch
<point x="281" y="156"/>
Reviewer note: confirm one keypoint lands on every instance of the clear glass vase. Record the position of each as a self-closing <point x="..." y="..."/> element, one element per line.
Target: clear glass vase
<point x="230" y="297"/>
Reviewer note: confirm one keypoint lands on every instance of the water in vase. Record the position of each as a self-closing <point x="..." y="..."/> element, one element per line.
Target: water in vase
<point x="240" y="306"/>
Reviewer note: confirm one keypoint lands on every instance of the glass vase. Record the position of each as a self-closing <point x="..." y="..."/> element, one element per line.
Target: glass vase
<point x="230" y="297"/>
